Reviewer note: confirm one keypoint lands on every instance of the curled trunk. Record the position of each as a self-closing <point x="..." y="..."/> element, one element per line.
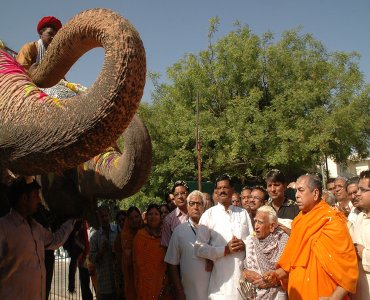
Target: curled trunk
<point x="116" y="175"/>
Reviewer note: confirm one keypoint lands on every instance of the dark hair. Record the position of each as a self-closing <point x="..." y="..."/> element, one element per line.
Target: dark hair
<point x="246" y="188"/>
<point x="131" y="209"/>
<point x="151" y="206"/>
<point x="352" y="180"/>
<point x="179" y="183"/>
<point x="224" y="177"/>
<point x="276" y="175"/>
<point x="165" y="205"/>
<point x="18" y="187"/>
<point x="330" y="180"/>
<point x="365" y="175"/>
<point x="314" y="182"/>
<point x="121" y="212"/>
<point x="263" y="190"/>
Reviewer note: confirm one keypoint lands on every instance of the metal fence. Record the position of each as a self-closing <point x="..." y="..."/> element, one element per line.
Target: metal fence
<point x="59" y="285"/>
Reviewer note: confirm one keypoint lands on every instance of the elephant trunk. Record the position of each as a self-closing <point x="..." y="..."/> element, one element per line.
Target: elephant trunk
<point x="41" y="134"/>
<point x="113" y="175"/>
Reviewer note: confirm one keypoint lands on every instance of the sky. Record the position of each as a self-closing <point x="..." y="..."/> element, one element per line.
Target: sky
<point x="171" y="29"/>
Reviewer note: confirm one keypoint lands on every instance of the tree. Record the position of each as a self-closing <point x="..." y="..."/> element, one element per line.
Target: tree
<point x="263" y="104"/>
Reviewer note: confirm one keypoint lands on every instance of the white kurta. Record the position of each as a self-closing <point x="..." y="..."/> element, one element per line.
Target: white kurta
<point x="194" y="277"/>
<point x="217" y="227"/>
<point x="361" y="235"/>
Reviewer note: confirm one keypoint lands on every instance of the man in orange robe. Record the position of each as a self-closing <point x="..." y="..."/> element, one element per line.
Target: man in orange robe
<point x="319" y="260"/>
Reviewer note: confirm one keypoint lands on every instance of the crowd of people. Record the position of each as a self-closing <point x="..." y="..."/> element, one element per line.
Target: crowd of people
<point x="255" y="243"/>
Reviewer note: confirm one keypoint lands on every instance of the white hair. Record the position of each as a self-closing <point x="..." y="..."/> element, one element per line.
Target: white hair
<point x="196" y="193"/>
<point x="270" y="212"/>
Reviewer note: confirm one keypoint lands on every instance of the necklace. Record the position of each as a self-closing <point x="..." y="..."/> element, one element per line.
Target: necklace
<point x="152" y="232"/>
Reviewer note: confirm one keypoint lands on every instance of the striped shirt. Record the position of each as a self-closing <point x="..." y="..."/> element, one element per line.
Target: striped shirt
<point x="105" y="268"/>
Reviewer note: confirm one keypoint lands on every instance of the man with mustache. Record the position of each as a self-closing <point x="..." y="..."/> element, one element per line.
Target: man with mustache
<point x="221" y="238"/>
<point x="190" y="281"/>
<point x="257" y="198"/>
<point x="361" y="237"/>
<point x="343" y="202"/>
<point x="352" y="188"/>
<point x="319" y="260"/>
<point x="179" y="215"/>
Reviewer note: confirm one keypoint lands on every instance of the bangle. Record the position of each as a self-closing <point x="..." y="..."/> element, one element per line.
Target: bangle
<point x="227" y="251"/>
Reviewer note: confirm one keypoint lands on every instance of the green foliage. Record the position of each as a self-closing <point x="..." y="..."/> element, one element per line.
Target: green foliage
<point x="263" y="103"/>
<point x="140" y="200"/>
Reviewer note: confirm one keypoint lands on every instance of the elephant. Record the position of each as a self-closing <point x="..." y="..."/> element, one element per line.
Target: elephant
<point x="57" y="139"/>
<point x="39" y="133"/>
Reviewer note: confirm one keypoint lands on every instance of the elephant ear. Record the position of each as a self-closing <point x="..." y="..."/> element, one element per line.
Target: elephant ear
<point x="116" y="175"/>
<point x="39" y="133"/>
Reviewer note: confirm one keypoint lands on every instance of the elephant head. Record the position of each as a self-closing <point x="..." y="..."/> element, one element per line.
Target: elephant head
<point x="40" y="134"/>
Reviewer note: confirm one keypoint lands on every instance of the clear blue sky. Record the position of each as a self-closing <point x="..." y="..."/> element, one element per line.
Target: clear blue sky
<point x="171" y="28"/>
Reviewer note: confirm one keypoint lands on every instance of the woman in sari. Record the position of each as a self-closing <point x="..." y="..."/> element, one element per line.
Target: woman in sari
<point x="148" y="258"/>
<point x="132" y="224"/>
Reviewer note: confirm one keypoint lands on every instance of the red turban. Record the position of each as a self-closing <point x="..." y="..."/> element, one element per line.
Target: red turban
<point x="49" y="21"/>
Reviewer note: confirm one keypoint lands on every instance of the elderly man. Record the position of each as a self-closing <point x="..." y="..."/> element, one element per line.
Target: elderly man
<point x="361" y="237"/>
<point x="23" y="242"/>
<point x="343" y="201"/>
<point x="319" y="258"/>
<point x="180" y="191"/>
<point x="263" y="251"/>
<point x="221" y="238"/>
<point x="193" y="282"/>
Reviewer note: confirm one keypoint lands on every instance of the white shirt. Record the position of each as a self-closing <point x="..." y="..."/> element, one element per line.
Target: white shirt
<point x="361" y="235"/>
<point x="194" y="277"/>
<point x="217" y="227"/>
<point x="352" y="217"/>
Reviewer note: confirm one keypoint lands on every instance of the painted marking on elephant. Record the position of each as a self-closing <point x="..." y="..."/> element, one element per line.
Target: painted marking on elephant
<point x="9" y="66"/>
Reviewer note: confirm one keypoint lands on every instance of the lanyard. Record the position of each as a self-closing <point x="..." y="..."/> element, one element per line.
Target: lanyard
<point x="191" y="226"/>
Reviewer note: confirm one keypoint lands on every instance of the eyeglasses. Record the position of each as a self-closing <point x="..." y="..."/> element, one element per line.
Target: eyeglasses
<point x="180" y="194"/>
<point x="362" y="190"/>
<point x="193" y="203"/>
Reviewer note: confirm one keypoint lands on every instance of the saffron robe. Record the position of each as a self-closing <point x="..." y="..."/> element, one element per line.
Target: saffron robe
<point x="319" y="255"/>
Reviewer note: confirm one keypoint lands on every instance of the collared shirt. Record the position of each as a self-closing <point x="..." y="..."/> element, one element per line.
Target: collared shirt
<point x="352" y="217"/>
<point x="173" y="219"/>
<point x="288" y="210"/>
<point x="105" y="267"/>
<point x="217" y="226"/>
<point x="22" y="250"/>
<point x="361" y="235"/>
<point x="194" y="277"/>
<point x="27" y="55"/>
